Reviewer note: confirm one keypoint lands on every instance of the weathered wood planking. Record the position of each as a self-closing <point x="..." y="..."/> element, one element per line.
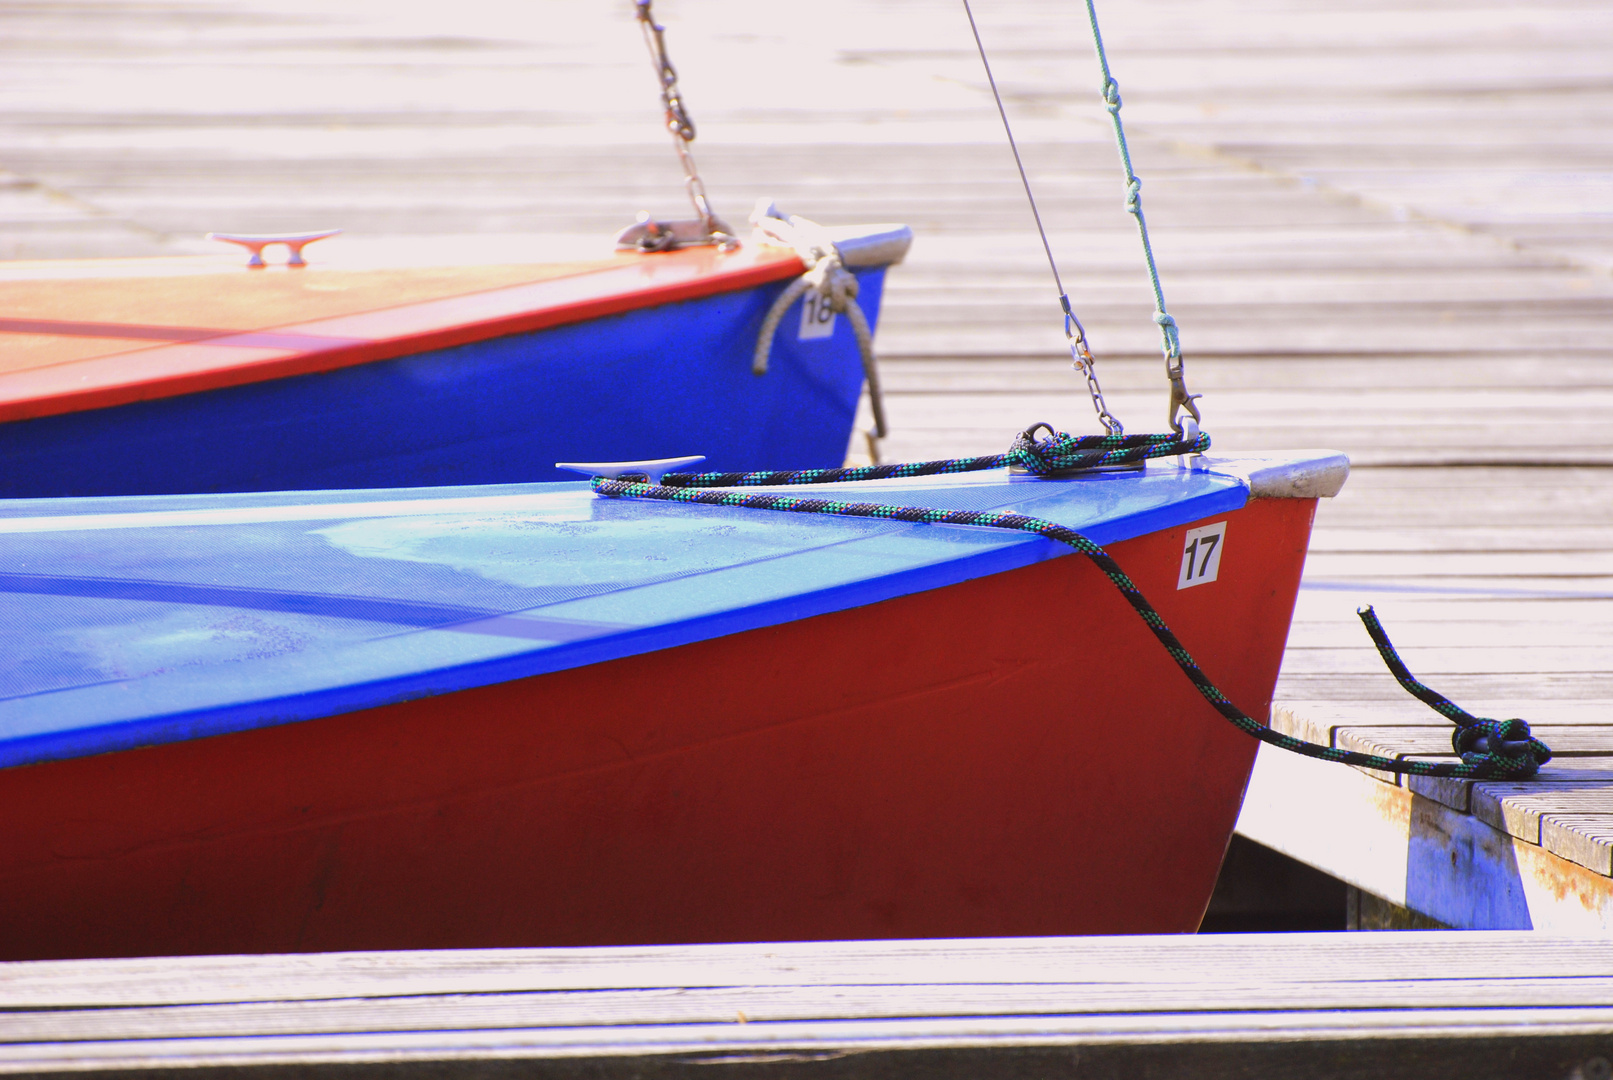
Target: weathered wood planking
<point x="1504" y="609"/>
<point x="1322" y="1005"/>
<point x="1381" y="230"/>
<point x="1229" y="960"/>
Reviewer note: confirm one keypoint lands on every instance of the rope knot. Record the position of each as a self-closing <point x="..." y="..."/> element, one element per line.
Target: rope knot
<point x="828" y="277"/>
<point x="1111" y="95"/>
<point x="1061" y="452"/>
<point x="1490" y="749"/>
<point x="1173" y="339"/>
<point x="1041" y="457"/>
<point x="1506" y="746"/>
<point x="832" y="281"/>
<point x="1134" y="188"/>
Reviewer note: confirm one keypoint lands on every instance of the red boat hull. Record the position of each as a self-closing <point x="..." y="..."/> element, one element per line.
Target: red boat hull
<point x="1014" y="755"/>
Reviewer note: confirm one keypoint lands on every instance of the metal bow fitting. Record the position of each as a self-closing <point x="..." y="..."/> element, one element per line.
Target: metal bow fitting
<point x="648" y="235"/>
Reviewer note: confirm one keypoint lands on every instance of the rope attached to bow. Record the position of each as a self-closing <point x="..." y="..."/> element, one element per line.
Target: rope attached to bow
<point x="828" y="277"/>
<point x="1490" y="750"/>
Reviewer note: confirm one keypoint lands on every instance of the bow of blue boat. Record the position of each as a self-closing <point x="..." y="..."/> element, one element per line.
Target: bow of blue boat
<point x="141" y="620"/>
<point x="200" y="375"/>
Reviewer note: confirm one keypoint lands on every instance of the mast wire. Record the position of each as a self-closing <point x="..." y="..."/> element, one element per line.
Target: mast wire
<point x="1074" y="333"/>
<point x="1064" y="299"/>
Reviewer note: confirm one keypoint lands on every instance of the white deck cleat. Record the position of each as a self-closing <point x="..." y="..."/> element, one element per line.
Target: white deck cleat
<point x="611" y="470"/>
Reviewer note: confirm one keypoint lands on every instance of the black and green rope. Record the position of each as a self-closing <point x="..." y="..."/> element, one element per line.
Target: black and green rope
<point x="1057" y="453"/>
<point x="1475" y="737"/>
<point x="1489" y="749"/>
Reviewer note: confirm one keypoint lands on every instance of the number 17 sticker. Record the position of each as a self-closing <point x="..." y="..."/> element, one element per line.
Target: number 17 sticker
<point x="1201" y="557"/>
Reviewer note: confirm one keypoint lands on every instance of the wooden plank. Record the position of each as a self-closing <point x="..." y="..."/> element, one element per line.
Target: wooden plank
<point x="1386" y="742"/>
<point x="1416" y="852"/>
<point x="1235" y="1005"/>
<point x="724" y="1005"/>
<point x="1325" y="716"/>
<point x="1510" y="694"/>
<point x="1586" y="839"/>
<point x="1558" y="774"/>
<point x="1482" y="1043"/>
<point x="1516" y="809"/>
<point x="1434" y="741"/>
<point x="1280" y="960"/>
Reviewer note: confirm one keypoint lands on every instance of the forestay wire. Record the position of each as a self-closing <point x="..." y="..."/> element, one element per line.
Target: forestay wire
<point x="1013" y="145"/>
<point x="1074" y="333"/>
<point x="1170" y="337"/>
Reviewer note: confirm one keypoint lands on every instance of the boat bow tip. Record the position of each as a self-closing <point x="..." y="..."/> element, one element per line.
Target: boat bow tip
<point x="1293" y="474"/>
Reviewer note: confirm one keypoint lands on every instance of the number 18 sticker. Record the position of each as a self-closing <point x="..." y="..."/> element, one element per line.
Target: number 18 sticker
<point x="817" y="317"/>
<point x="1201" y="558"/>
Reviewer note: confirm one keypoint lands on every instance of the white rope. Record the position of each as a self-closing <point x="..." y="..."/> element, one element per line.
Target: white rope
<point x="828" y="277"/>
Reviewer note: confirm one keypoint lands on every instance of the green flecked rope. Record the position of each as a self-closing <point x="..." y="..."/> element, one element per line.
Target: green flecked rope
<point x="1490" y="749"/>
<point x="1058" y="452"/>
<point x="1474" y="736"/>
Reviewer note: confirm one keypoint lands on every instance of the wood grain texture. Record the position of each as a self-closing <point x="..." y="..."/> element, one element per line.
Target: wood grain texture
<point x="1251" y="1006"/>
<point x="1584" y="838"/>
<point x="1230" y="960"/>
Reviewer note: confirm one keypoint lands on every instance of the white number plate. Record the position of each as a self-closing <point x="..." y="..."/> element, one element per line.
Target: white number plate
<point x="1201" y="556"/>
<point x="817" y="318"/>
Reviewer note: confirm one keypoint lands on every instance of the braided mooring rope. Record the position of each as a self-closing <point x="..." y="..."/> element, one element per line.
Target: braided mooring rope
<point x="828" y="277"/>
<point x="1507" y="740"/>
<point x="1489" y="749"/>
<point x="1056" y="453"/>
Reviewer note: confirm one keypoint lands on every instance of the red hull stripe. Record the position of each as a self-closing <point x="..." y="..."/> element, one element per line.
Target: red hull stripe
<point x="327" y="344"/>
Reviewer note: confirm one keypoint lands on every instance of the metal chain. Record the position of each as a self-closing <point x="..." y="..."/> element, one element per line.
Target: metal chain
<point x="1180" y="398"/>
<point x="1074" y="333"/>
<point x="677" y="120"/>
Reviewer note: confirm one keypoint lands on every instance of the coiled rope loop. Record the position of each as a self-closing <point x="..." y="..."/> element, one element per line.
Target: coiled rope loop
<point x="1489" y="749"/>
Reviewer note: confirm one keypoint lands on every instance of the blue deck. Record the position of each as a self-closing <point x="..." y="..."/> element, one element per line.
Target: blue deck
<point x="657" y="382"/>
<point x="141" y="620"/>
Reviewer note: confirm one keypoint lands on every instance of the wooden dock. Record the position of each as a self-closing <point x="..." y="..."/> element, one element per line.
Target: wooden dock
<point x="1476" y="1006"/>
<point x="1384" y="231"/>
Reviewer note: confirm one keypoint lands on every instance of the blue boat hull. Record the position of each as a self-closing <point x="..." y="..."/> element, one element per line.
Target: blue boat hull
<point x="656" y="382"/>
